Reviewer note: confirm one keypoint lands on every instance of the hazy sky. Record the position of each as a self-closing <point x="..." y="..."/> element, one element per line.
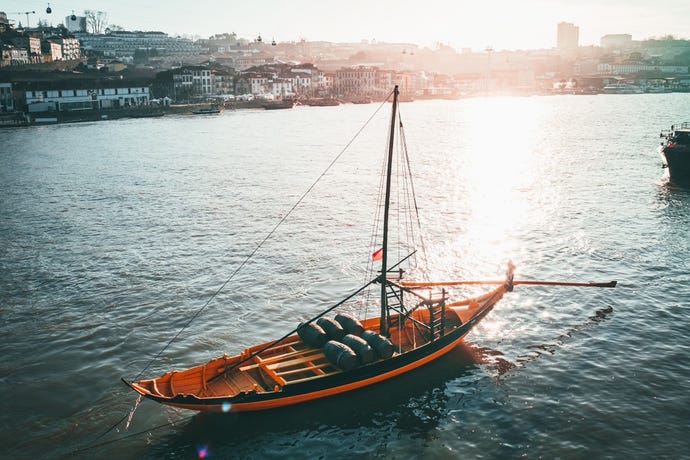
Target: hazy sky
<point x="502" y="24"/>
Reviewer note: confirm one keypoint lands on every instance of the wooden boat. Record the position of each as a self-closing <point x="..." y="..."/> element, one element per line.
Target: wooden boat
<point x="418" y="322"/>
<point x="208" y="111"/>
<point x="675" y="152"/>
<point x="290" y="371"/>
<point x="281" y="104"/>
<point x="322" y="102"/>
<point x="147" y="114"/>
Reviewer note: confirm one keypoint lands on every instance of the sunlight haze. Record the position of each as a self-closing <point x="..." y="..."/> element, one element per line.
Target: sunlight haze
<point x="500" y="24"/>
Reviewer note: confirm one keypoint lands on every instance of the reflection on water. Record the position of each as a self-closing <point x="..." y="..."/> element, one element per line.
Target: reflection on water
<point x="498" y="173"/>
<point x="553" y="345"/>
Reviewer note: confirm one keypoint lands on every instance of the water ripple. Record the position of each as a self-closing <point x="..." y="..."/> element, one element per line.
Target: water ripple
<point x="108" y="252"/>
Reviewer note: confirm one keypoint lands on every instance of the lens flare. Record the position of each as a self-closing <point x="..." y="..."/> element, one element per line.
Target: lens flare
<point x="226" y="406"/>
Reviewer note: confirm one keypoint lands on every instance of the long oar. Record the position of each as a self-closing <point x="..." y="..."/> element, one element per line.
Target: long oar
<point x="416" y="284"/>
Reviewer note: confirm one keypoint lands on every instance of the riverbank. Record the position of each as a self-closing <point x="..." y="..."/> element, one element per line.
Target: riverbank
<point x="14" y="119"/>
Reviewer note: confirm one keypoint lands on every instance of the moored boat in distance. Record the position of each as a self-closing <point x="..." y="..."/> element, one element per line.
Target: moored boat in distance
<point x="12" y="119"/>
<point x="148" y="114"/>
<point x="322" y="102"/>
<point x="417" y="322"/>
<point x="675" y="152"/>
<point x="278" y="105"/>
<point x="208" y="111"/>
<point x="622" y="88"/>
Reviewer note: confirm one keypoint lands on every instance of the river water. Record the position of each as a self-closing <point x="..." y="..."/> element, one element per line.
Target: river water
<point x="116" y="233"/>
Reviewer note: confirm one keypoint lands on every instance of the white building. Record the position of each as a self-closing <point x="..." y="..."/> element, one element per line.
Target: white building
<point x="628" y="68"/>
<point x="75" y="23"/>
<point x="356" y="81"/>
<point x="192" y="81"/>
<point x="281" y="87"/>
<point x="123" y="44"/>
<point x="71" y="99"/>
<point x="69" y="47"/>
<point x="259" y="83"/>
<point x="302" y="80"/>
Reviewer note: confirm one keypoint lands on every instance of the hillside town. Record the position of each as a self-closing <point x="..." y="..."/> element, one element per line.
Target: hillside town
<point x="83" y="69"/>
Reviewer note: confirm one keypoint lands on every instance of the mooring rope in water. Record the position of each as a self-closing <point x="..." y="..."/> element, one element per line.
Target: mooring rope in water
<point x="129" y="416"/>
<point x="131" y="435"/>
<point x="131" y="412"/>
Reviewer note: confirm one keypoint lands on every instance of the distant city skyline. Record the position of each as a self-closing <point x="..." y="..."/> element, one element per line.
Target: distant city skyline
<point x="499" y="24"/>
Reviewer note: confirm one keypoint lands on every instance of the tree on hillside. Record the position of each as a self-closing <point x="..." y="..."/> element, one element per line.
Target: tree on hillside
<point x="96" y="21"/>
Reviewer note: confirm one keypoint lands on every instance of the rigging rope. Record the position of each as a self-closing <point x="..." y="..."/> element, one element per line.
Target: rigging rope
<point x="406" y="210"/>
<point x="131" y="435"/>
<point x="403" y="140"/>
<point x="376" y="221"/>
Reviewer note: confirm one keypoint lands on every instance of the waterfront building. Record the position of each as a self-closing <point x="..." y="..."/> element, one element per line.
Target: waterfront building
<point x="329" y="82"/>
<point x="191" y="82"/>
<point x="273" y="82"/>
<point x="356" y="81"/>
<point x="222" y="82"/>
<point x="258" y="82"/>
<point x="302" y="80"/>
<point x="80" y="95"/>
<point x="634" y="68"/>
<point x="308" y="80"/>
<point x="281" y="87"/>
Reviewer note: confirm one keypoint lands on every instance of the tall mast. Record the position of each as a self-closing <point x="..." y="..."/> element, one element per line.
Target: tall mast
<point x="384" y="258"/>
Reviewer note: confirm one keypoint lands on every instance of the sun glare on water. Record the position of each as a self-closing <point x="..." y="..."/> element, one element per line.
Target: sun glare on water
<point x="496" y="172"/>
